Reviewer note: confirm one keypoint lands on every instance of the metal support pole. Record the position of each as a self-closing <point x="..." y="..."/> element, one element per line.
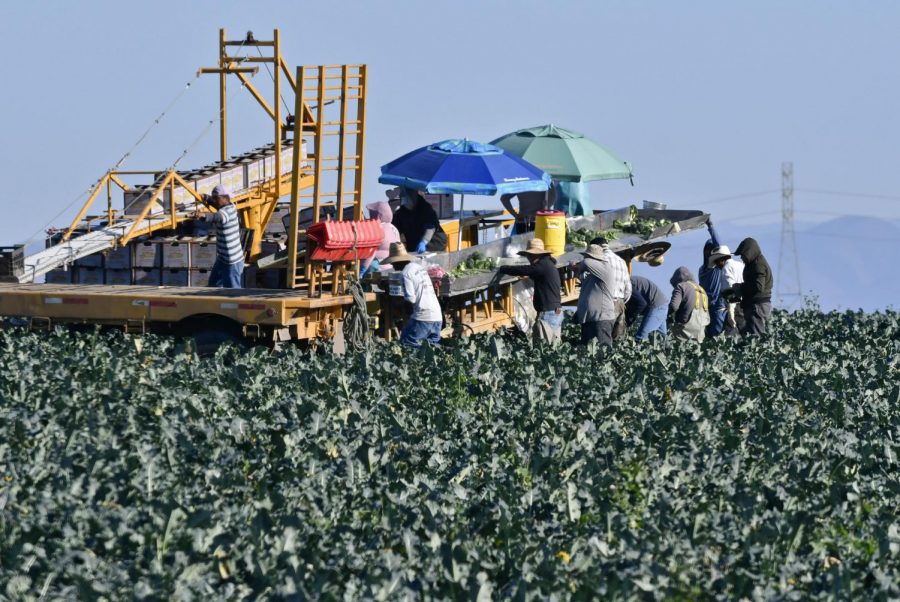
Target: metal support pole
<point x="223" y="137"/>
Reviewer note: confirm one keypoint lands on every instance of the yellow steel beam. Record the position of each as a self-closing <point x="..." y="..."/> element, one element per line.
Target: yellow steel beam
<point x="287" y="73"/>
<point x="122" y="185"/>
<point x="259" y="98"/>
<point x="299" y="106"/>
<point x="87" y="205"/>
<point x="360" y="140"/>
<point x="146" y="210"/>
<point x="223" y="135"/>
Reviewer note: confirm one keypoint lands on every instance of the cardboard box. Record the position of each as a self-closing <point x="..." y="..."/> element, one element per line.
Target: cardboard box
<point x="119" y="259"/>
<point x="145" y="277"/>
<point x="199" y="277"/>
<point x="146" y="254"/>
<point x="176" y="254"/>
<point x="174" y="277"/>
<point x="118" y="277"/>
<point x="91" y="261"/>
<point x="276" y="224"/>
<point x="89" y="275"/>
<point x="59" y="277"/>
<point x="203" y="253"/>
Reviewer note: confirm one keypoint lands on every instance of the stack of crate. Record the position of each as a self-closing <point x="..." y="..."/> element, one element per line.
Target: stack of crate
<point x="146" y="259"/>
<point x="117" y="265"/>
<point x="203" y="256"/>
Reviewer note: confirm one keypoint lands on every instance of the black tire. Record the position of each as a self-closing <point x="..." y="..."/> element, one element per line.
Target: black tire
<point x="208" y="341"/>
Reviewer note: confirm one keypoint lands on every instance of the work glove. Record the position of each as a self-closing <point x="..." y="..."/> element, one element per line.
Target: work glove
<point x="421" y="247"/>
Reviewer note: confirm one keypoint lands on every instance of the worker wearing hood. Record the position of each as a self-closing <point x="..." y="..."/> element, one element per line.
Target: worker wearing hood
<point x="756" y="290"/>
<point x="689" y="306"/>
<point x="381" y="210"/>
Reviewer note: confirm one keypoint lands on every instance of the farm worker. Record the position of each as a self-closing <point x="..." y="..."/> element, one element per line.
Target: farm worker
<point x="228" y="269"/>
<point x="648" y="302"/>
<point x="621" y="287"/>
<point x="712" y="279"/>
<point x="596" y="310"/>
<point x="547" y="300"/>
<point x="381" y="210"/>
<point x="756" y="290"/>
<point x="418" y="224"/>
<point x="424" y="323"/>
<point x="689" y="306"/>
<point x="529" y="204"/>
<point x="732" y="270"/>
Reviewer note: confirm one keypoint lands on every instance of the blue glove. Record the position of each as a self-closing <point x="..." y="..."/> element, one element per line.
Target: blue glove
<point x="421" y="247"/>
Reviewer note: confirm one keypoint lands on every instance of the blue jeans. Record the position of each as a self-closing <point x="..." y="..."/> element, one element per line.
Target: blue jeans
<point x="717" y="316"/>
<point x="548" y="327"/>
<point x="654" y="321"/>
<point x="225" y="275"/>
<point x="417" y="331"/>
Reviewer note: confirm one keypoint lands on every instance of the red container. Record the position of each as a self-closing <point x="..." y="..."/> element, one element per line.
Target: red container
<point x="345" y="240"/>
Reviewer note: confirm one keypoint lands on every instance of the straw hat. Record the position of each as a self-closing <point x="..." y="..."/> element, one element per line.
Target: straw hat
<point x="397" y="254"/>
<point x="535" y="247"/>
<point x="594" y="251"/>
<point x="720" y="252"/>
<point x="656" y="261"/>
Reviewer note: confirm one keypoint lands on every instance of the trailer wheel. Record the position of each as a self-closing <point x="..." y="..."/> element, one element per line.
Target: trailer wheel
<point x="208" y="341"/>
<point x="209" y="332"/>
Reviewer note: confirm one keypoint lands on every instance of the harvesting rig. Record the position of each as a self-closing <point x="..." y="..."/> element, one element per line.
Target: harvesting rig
<point x="144" y="266"/>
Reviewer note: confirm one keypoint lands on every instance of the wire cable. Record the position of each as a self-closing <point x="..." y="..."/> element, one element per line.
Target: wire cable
<point x="860" y="195"/>
<point x="746" y="195"/>
<point x="269" y="71"/>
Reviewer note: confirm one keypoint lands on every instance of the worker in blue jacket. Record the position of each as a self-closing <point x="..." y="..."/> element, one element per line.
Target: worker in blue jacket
<point x="712" y="279"/>
<point x="648" y="302"/>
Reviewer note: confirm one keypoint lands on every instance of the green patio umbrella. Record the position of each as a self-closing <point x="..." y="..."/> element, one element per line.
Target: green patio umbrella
<point x="566" y="155"/>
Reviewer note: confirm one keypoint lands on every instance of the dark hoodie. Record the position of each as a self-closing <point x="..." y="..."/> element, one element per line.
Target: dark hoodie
<point x="684" y="296"/>
<point x="757" y="286"/>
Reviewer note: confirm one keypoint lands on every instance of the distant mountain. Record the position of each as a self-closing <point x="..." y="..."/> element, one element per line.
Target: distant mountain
<point x="848" y="262"/>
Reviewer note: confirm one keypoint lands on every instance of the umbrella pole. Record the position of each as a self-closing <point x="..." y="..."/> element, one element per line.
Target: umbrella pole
<point x="462" y="204"/>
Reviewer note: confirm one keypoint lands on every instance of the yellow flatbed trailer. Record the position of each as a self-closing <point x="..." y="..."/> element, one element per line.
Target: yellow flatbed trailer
<point x="260" y="315"/>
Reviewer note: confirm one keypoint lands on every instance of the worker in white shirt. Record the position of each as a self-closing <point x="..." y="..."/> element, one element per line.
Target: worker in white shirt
<point x="621" y="287"/>
<point x="424" y="324"/>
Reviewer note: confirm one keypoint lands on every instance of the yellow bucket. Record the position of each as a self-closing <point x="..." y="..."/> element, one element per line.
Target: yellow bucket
<point x="550" y="227"/>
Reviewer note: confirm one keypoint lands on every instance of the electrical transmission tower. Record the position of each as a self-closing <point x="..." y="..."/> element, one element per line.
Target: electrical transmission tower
<point x="788" y="277"/>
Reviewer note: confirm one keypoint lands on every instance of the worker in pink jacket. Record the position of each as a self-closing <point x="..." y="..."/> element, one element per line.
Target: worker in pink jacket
<point x="381" y="211"/>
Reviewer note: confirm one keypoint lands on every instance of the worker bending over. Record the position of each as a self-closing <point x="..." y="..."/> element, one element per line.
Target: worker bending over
<point x="649" y="303"/>
<point x="547" y="300"/>
<point x="424" y="323"/>
<point x="228" y="270"/>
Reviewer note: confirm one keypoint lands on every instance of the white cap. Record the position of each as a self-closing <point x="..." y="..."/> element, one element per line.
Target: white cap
<point x="220" y="190"/>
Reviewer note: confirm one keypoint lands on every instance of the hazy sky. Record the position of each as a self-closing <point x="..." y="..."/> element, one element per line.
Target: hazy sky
<point x="705" y="99"/>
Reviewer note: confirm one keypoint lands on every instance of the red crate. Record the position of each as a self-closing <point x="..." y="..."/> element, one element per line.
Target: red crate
<point x="345" y="240"/>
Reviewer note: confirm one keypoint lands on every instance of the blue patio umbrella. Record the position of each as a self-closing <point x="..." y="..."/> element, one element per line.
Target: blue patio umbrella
<point x="464" y="167"/>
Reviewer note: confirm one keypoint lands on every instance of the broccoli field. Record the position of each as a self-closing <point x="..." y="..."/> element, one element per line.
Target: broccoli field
<point x="758" y="469"/>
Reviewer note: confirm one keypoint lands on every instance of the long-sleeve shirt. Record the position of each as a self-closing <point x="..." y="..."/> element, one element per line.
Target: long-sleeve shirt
<point x="547" y="285"/>
<point x="418" y="290"/>
<point x="712" y="278"/>
<point x="645" y="297"/>
<point x="621" y="289"/>
<point x="596" y="302"/>
<point x="228" y="235"/>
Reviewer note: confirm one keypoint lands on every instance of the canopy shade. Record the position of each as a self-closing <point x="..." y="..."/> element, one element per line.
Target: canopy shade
<point x="565" y="154"/>
<point x="461" y="166"/>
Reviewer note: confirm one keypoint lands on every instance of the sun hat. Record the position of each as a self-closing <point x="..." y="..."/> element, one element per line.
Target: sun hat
<point x="601" y="241"/>
<point x="720" y="252"/>
<point x="535" y="247"/>
<point x="594" y="251"/>
<point x="657" y="260"/>
<point x="397" y="254"/>
<point x="220" y="190"/>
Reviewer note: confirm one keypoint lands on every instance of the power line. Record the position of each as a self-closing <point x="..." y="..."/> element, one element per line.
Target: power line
<point x="745" y="195"/>
<point x="851" y="237"/>
<point x="860" y="195"/>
